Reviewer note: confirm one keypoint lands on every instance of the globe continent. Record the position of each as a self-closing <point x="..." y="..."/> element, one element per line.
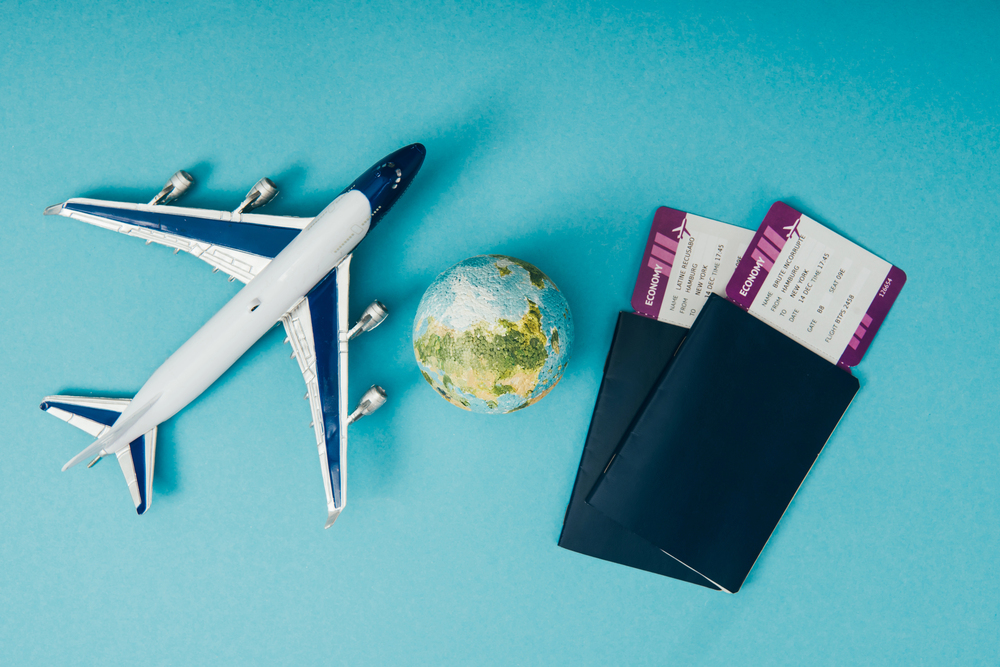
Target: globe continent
<point x="492" y="334"/>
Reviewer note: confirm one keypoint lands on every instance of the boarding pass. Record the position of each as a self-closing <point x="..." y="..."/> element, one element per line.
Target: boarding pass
<point x="687" y="258"/>
<point x="815" y="286"/>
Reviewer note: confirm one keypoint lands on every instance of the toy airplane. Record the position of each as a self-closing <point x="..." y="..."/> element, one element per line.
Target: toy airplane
<point x="296" y="270"/>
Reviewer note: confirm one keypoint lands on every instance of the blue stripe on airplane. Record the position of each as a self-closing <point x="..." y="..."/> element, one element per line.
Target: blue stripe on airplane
<point x="261" y="240"/>
<point x="138" y="449"/>
<point x="106" y="417"/>
<point x="323" y="311"/>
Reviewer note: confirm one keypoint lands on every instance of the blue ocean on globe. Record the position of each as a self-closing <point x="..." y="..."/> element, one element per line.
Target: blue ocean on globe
<point x="493" y="334"/>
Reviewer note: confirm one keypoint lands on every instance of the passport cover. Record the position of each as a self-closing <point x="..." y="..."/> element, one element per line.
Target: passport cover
<point x="722" y="443"/>
<point x="640" y="350"/>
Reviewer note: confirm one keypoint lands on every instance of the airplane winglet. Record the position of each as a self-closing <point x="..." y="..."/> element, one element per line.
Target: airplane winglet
<point x="331" y="517"/>
<point x="55" y="209"/>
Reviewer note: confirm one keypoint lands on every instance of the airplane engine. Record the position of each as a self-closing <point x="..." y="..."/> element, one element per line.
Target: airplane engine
<point x="175" y="187"/>
<point x="372" y="400"/>
<point x="262" y="192"/>
<point x="374" y="315"/>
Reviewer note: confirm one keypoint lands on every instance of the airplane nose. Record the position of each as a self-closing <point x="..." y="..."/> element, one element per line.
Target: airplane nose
<point x="410" y="158"/>
<point x="402" y="165"/>
<point x="385" y="181"/>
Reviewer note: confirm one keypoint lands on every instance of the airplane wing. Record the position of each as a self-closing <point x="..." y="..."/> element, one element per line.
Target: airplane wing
<point x="239" y="244"/>
<point x="317" y="327"/>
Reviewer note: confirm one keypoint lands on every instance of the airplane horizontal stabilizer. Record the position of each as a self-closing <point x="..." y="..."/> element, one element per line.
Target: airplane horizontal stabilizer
<point x="137" y="461"/>
<point x="93" y="415"/>
<point x="96" y="416"/>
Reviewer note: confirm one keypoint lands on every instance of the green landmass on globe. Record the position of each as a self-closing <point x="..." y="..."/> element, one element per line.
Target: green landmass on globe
<point x="492" y="334"/>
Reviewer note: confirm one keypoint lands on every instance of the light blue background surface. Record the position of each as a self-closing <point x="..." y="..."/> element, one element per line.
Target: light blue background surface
<point x="553" y="133"/>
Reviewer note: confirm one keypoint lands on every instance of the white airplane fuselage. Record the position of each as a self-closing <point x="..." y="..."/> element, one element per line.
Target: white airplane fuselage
<point x="198" y="363"/>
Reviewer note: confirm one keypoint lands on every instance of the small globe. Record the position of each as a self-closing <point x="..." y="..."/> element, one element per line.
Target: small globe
<point x="493" y="334"/>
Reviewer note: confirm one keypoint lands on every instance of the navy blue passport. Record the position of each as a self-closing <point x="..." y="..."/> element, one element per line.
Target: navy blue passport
<point x="722" y="442"/>
<point x="640" y="351"/>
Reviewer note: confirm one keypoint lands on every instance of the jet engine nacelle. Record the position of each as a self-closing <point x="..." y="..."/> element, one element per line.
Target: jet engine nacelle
<point x="262" y="192"/>
<point x="374" y="315"/>
<point x="175" y="187"/>
<point x="372" y="400"/>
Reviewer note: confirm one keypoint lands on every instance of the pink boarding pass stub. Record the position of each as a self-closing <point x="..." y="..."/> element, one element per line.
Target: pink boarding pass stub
<point x="687" y="258"/>
<point x="815" y="286"/>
